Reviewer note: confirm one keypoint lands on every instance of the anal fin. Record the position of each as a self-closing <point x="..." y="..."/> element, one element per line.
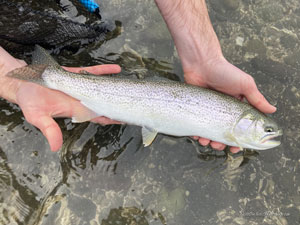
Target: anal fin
<point x="148" y="136"/>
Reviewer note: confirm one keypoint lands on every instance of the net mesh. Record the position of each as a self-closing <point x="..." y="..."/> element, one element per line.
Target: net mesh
<point x="33" y="22"/>
<point x="91" y="5"/>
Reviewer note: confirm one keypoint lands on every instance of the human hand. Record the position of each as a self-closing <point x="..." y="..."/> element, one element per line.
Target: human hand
<point x="39" y="104"/>
<point x="8" y="86"/>
<point x="220" y="75"/>
<point x="202" y="59"/>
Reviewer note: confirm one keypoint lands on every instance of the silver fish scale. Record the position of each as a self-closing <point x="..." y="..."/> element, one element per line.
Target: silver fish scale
<point x="152" y="103"/>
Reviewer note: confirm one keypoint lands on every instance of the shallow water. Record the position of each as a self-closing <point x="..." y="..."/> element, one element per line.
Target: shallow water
<point x="103" y="175"/>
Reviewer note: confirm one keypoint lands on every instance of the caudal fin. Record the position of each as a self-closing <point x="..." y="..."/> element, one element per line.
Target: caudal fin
<point x="32" y="73"/>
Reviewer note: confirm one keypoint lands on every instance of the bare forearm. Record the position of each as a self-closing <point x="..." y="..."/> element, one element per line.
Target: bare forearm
<point x="191" y="29"/>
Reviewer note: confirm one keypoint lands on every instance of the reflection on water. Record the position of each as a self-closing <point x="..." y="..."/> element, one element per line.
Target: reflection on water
<point x="103" y="175"/>
<point x="14" y="196"/>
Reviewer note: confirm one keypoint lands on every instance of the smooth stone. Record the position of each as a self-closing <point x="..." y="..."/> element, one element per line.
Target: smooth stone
<point x="256" y="46"/>
<point x="293" y="60"/>
<point x="231" y="4"/>
<point x="288" y="41"/>
<point x="271" y="13"/>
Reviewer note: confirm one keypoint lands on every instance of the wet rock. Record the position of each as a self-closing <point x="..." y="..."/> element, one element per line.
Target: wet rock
<point x="225" y="10"/>
<point x="291" y="214"/>
<point x="256" y="2"/>
<point x="271" y="13"/>
<point x="82" y="207"/>
<point x="231" y="4"/>
<point x="256" y="208"/>
<point x="273" y="69"/>
<point x="256" y="46"/>
<point x="289" y="41"/>
<point x="173" y="201"/>
<point x="294" y="22"/>
<point x="126" y="215"/>
<point x="293" y="60"/>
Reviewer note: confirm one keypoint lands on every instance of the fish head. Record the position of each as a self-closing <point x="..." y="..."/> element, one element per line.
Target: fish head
<point x="255" y="130"/>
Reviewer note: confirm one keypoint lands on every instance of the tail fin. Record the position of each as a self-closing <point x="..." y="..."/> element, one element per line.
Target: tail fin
<point x="32" y="73"/>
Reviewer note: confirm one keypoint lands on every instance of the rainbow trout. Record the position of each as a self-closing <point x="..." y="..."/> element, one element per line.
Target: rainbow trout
<point x="172" y="108"/>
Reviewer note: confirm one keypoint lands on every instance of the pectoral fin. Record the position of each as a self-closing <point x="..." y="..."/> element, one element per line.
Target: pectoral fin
<point x="85" y="115"/>
<point x="148" y="136"/>
<point x="230" y="137"/>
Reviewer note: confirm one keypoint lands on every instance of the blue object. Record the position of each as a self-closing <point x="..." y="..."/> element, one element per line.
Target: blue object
<point x="91" y="5"/>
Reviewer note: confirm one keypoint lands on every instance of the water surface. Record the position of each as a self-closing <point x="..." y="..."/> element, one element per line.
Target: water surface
<point x="103" y="175"/>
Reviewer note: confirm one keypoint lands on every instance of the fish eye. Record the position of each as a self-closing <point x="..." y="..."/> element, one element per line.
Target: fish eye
<point x="269" y="129"/>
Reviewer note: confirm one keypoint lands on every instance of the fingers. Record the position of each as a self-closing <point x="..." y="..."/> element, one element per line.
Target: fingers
<point x="255" y="98"/>
<point x="204" y="141"/>
<point x="215" y="145"/>
<point x="235" y="149"/>
<point x="48" y="127"/>
<point x="98" y="69"/>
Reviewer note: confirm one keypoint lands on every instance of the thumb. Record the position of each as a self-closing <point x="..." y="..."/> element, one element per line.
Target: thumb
<point x="255" y="98"/>
<point x="48" y="127"/>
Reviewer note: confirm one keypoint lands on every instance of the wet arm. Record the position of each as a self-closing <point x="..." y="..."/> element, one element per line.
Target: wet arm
<point x="192" y="31"/>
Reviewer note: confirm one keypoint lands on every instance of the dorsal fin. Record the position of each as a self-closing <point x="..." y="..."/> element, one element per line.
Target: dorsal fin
<point x="41" y="56"/>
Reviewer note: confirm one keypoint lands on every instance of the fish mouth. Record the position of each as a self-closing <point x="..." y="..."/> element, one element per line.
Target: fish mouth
<point x="270" y="139"/>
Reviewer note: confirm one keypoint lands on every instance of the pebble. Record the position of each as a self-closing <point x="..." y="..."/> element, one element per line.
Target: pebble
<point x="239" y="41"/>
